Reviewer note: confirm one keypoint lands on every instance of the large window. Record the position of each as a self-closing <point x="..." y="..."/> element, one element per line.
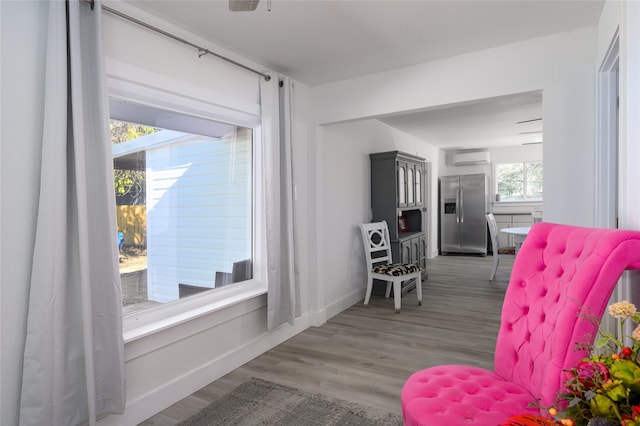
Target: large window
<point x="519" y="181"/>
<point x="184" y="193"/>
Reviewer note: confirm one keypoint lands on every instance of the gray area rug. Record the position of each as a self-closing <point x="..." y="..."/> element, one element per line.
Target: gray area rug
<point x="259" y="402"/>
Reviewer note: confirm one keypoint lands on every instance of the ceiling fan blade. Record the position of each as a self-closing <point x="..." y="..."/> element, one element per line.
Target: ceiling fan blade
<point x="529" y="121"/>
<point x="243" y="5"/>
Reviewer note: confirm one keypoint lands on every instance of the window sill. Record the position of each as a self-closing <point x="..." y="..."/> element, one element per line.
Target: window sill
<point x="144" y="324"/>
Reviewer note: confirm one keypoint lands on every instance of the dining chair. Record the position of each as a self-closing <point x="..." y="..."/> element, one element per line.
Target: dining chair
<point x="536" y="216"/>
<point x="186" y="290"/>
<point x="562" y="275"/>
<point x="498" y="252"/>
<point x="380" y="266"/>
<point x="241" y="270"/>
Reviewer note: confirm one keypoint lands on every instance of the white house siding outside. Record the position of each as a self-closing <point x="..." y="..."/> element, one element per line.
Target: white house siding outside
<point x="199" y="192"/>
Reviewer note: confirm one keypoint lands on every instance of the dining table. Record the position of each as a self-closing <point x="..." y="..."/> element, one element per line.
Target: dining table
<point x="519" y="234"/>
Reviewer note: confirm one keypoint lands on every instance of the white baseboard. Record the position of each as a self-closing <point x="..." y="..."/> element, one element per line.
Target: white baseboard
<point x="340" y="305"/>
<point x="171" y="392"/>
<point x="317" y="318"/>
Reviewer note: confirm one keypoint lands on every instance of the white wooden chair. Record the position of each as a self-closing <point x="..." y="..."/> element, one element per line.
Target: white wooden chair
<point x="498" y="252"/>
<point x="536" y="216"/>
<point x="377" y="249"/>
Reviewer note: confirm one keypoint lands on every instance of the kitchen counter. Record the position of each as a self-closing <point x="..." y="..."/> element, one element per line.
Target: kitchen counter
<point x="515" y="208"/>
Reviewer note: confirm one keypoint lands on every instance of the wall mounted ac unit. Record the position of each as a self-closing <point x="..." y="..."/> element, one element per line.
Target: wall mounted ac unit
<point x="471" y="158"/>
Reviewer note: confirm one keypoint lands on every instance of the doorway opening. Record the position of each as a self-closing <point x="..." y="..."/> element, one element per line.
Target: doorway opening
<point x="607" y="152"/>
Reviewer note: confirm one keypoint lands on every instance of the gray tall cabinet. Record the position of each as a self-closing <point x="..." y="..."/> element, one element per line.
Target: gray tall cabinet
<point x="398" y="196"/>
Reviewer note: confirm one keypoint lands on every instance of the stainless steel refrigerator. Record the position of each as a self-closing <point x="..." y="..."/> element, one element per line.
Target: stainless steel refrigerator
<point x="464" y="204"/>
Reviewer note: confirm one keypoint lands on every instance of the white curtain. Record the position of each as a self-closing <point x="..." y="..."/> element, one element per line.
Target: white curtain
<point x="283" y="303"/>
<point x="73" y="371"/>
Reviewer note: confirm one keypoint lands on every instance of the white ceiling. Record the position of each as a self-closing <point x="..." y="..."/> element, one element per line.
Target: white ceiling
<point x="317" y="42"/>
<point x="485" y="123"/>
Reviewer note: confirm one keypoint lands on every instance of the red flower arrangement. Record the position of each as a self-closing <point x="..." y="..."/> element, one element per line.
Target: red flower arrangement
<point x="604" y="388"/>
<point x="529" y="420"/>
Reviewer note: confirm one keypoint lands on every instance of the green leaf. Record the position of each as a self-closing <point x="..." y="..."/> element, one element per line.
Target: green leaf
<point x="574" y="402"/>
<point x="607" y="334"/>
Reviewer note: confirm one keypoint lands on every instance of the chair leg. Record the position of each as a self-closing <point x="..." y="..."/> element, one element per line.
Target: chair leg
<point x="419" y="288"/>
<point x="367" y="296"/>
<point x="397" y="294"/>
<point x="496" y="260"/>
<point x="388" y="292"/>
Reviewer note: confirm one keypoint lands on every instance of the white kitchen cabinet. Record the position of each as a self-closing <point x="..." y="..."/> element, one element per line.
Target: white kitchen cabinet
<point x="518" y="220"/>
<point x="503" y="221"/>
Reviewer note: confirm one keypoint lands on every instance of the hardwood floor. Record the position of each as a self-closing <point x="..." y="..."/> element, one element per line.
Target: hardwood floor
<point x="365" y="354"/>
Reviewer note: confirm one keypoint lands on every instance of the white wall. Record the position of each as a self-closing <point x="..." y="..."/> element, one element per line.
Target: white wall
<point x="346" y="202"/>
<point x="561" y="65"/>
<point x="517" y="153"/>
<point x="569" y="134"/>
<point x="622" y="20"/>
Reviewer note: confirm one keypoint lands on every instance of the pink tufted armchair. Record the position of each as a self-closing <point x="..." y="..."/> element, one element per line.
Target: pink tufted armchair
<point x="559" y="272"/>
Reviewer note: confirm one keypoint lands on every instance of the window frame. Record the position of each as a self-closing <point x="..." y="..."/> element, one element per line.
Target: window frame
<point x="147" y="89"/>
<point x="524" y="181"/>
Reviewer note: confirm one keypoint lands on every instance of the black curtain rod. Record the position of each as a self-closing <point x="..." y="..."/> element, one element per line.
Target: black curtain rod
<point x="202" y="51"/>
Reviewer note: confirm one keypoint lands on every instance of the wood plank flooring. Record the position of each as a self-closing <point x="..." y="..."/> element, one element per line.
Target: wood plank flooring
<point x="365" y="354"/>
